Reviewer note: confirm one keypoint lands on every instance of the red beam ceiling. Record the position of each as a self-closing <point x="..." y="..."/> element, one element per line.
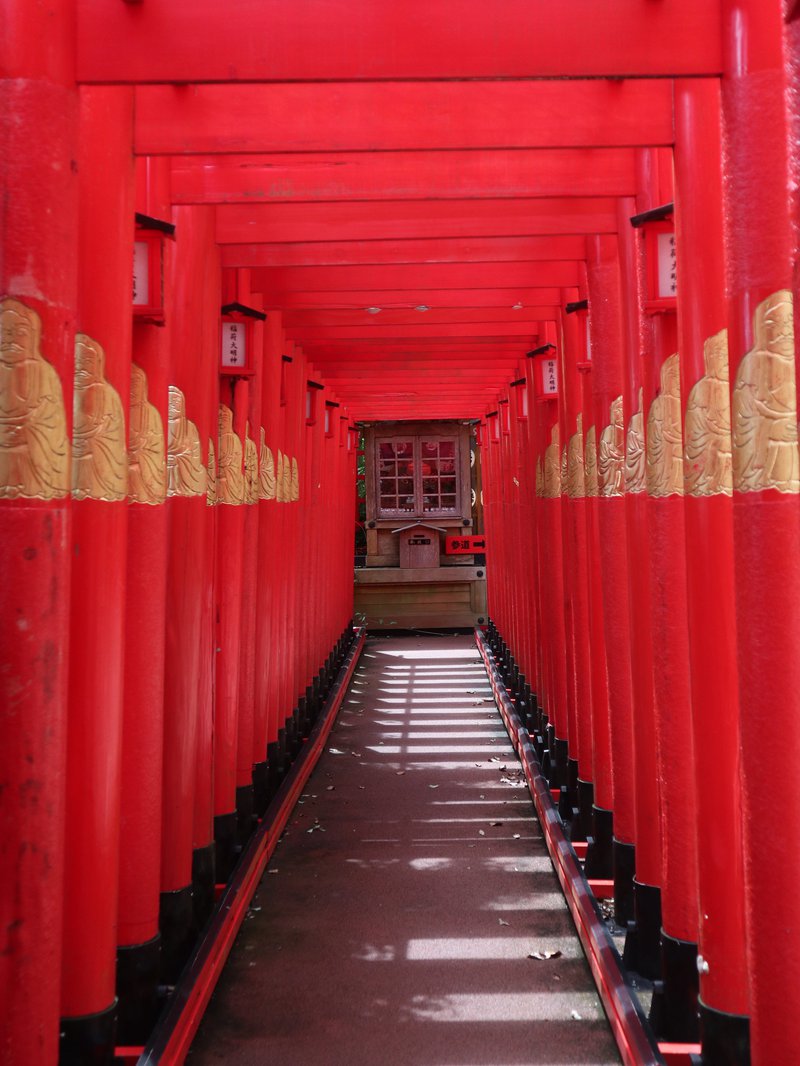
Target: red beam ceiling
<point x="313" y="40"/>
<point x="415" y="277"/>
<point x="358" y="299"/>
<point x="445" y="250"/>
<point x="555" y="172"/>
<point x="434" y="317"/>
<point x="519" y="328"/>
<point x="205" y="119"/>
<point x="397" y="220"/>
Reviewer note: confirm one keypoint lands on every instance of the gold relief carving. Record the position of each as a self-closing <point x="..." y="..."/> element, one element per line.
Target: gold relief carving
<point x="186" y="475"/>
<point x="592" y="488"/>
<point x="99" y="458"/>
<point x="147" y="453"/>
<point x="552" y="466"/>
<point x="635" y="455"/>
<point x="230" y="471"/>
<point x="250" y="467"/>
<point x="295" y="482"/>
<point x="708" y="463"/>
<point x="764" y="402"/>
<point x="34" y="448"/>
<point x="211" y="475"/>
<point x="576" y="480"/>
<point x="286" y="477"/>
<point x="266" y="473"/>
<point x="611" y="458"/>
<point x="279" y="479"/>
<point x="664" y="436"/>
<point x="564" y="465"/>
<point x="539" y="476"/>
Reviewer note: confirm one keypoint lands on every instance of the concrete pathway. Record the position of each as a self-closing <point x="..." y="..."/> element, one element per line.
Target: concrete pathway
<point x="395" y="923"/>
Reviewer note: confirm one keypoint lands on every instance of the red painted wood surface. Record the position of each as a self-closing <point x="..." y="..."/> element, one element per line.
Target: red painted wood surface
<point x="267" y="41"/>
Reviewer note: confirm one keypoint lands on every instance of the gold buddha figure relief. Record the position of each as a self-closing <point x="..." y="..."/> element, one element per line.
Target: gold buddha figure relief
<point x="211" y="475"/>
<point x="99" y="456"/>
<point x="147" y="453"/>
<point x="664" y="436"/>
<point x="266" y="473"/>
<point x="564" y="464"/>
<point x="34" y="447"/>
<point x="287" y="479"/>
<point x="635" y="456"/>
<point x="250" y="467"/>
<point x="552" y="466"/>
<point x="592" y="487"/>
<point x="186" y="475"/>
<point x="611" y="458"/>
<point x="764" y="403"/>
<point x="294" y="482"/>
<point x="707" y="458"/>
<point x="230" y="471"/>
<point x="576" y="479"/>
<point x="539" y="476"/>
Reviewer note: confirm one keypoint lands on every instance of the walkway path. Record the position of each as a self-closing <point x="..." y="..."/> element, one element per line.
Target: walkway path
<point x="395" y="923"/>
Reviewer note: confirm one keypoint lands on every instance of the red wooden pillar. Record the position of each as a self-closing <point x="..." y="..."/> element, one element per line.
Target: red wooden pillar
<point x="761" y="262"/>
<point x="604" y="283"/>
<point x="576" y="574"/>
<point x="599" y="855"/>
<point x="186" y="855"/>
<point x="37" y="350"/>
<point x="552" y="576"/>
<point x="643" y="947"/>
<point x="265" y="732"/>
<point x="138" y="939"/>
<point x="230" y="546"/>
<point x="702" y="315"/>
<point x="99" y="489"/>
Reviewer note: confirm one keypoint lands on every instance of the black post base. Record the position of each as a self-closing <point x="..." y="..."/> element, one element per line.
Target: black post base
<point x="600" y="852"/>
<point x="203" y="881"/>
<point x="260" y="788"/>
<point x="643" y="940"/>
<point x="225" y="841"/>
<point x="176" y="922"/>
<point x="138" y="972"/>
<point x="90" y="1039"/>
<point x="673" y="1012"/>
<point x="275" y="768"/>
<point x="725" y="1038"/>
<point x="283" y="748"/>
<point x="583" y="829"/>
<point x="294" y="740"/>
<point x="572" y="782"/>
<point x="624" y="860"/>
<point x="558" y="762"/>
<point x="245" y="814"/>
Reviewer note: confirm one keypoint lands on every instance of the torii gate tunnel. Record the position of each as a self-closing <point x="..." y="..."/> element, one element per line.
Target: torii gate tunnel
<point x="571" y="227"/>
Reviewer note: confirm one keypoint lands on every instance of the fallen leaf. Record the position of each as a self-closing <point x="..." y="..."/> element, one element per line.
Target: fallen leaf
<point x="481" y="833"/>
<point x="574" y="1014"/>
<point x="331" y="788"/>
<point x="399" y="773"/>
<point x="356" y="754"/>
<point x="272" y="871"/>
<point x="517" y="836"/>
<point x="335" y="751"/>
<point x="495" y="823"/>
<point x="501" y="922"/>
<point x="542" y="956"/>
<point x="433" y="786"/>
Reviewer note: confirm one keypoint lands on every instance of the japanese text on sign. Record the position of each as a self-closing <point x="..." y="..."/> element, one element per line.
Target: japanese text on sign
<point x="550" y="377"/>
<point x="667" y="266"/>
<point x="141" y="273"/>
<point x="464" y="545"/>
<point x="234" y="351"/>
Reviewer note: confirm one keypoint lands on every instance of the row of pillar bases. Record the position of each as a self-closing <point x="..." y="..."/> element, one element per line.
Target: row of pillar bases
<point x="677" y="1013"/>
<point x="147" y="973"/>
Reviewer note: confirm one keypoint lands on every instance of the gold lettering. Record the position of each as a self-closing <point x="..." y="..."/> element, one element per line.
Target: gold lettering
<point x="611" y="459"/>
<point x="708" y="461"/>
<point x="147" y="453"/>
<point x="250" y="468"/>
<point x="99" y="458"/>
<point x="664" y="437"/>
<point x="34" y="447"/>
<point x="552" y="466"/>
<point x="230" y="472"/>
<point x="186" y="475"/>
<point x="576" y="479"/>
<point x="635" y="456"/>
<point x="266" y="475"/>
<point x="765" y="451"/>
<point x="592" y="486"/>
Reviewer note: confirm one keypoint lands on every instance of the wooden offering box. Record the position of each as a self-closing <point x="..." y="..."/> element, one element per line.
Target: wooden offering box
<point x="418" y="491"/>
